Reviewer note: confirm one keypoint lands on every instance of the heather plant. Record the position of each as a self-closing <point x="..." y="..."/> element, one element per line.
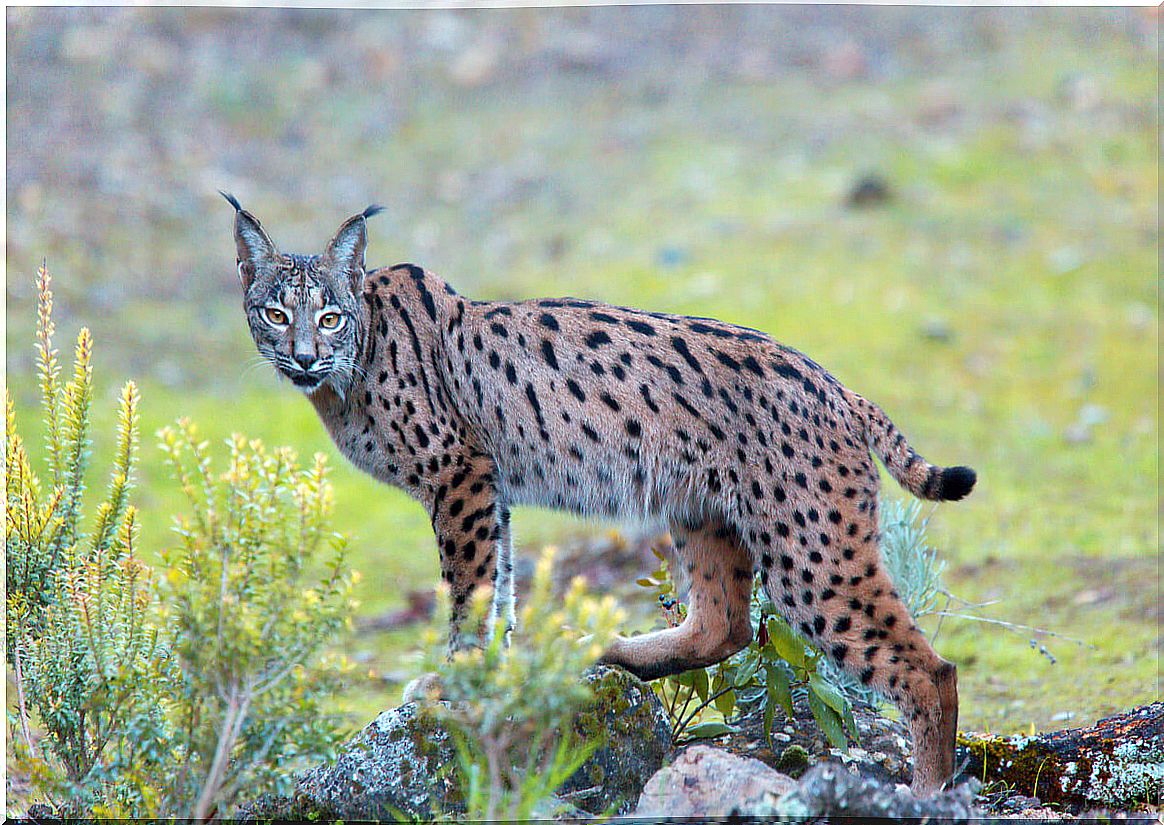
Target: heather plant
<point x="89" y="666"/>
<point x="256" y="587"/>
<point x="510" y="707"/>
<point x="146" y="695"/>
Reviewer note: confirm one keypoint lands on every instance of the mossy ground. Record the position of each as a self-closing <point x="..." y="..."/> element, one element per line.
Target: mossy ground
<point x="1001" y="306"/>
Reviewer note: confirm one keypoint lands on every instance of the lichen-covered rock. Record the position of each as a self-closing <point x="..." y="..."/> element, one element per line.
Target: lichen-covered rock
<point x="1116" y="763"/>
<point x="707" y="782"/>
<point x="402" y="763"/>
<point x="638" y="736"/>
<point x="831" y="790"/>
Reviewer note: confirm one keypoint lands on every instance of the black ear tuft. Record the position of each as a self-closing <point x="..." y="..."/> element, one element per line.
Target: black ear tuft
<point x="232" y="200"/>
<point x="374" y="209"/>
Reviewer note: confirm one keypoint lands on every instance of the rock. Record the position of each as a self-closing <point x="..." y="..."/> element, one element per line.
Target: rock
<point x="400" y="763"/>
<point x="638" y="736"/>
<point x="1117" y="763"/>
<point x="868" y="190"/>
<point x="404" y="763"/>
<point x="830" y="790"/>
<point x="882" y="753"/>
<point x="707" y="782"/>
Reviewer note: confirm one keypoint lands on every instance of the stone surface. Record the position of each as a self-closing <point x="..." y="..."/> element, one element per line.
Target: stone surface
<point x="831" y="790"/>
<point x="708" y="782"/>
<point x="399" y="764"/>
<point x="1116" y="763"/>
<point x="638" y="737"/>
<point x="403" y="763"/>
<point x="798" y="743"/>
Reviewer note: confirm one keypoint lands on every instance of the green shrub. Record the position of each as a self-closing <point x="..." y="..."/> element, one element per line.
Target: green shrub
<point x="510" y="707"/>
<point x="256" y="587"/>
<point x="144" y="698"/>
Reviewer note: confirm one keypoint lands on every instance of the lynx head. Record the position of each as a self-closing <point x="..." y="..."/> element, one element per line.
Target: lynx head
<point x="304" y="311"/>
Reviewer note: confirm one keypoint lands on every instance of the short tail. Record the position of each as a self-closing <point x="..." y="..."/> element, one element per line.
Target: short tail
<point x="912" y="472"/>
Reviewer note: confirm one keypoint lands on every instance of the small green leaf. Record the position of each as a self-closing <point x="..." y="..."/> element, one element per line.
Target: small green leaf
<point x="850" y="722"/>
<point x="829" y="721"/>
<point x="787" y="643"/>
<point x="700" y="680"/>
<point x="779" y="688"/>
<point x="725" y="703"/>
<point x="769" y="718"/>
<point x="686" y="678"/>
<point x="708" y="730"/>
<point x="747" y="671"/>
<point x="645" y="582"/>
<point x="827" y="692"/>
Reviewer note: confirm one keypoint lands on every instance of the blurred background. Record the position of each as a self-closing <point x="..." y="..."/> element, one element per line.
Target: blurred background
<point x="952" y="209"/>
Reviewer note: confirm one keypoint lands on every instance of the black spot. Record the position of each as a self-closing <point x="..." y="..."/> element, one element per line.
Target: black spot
<point x="727" y="361"/>
<point x="596" y="339"/>
<point x="548" y="321"/>
<point x="510" y="372"/>
<point x="646" y="392"/>
<point x="634" y="428"/>
<point x="549" y="354"/>
<point x="787" y="370"/>
<point x="641" y="328"/>
<point x="609" y="401"/>
<point x="681" y="347"/>
<point x="842" y="624"/>
<point x="498" y="329"/>
<point x="603" y="317"/>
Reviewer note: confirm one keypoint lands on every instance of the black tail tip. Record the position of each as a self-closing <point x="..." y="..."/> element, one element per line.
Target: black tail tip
<point x="374" y="209"/>
<point x="957" y="482"/>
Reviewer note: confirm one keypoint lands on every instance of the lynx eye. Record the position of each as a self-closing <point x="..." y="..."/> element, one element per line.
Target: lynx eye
<point x="330" y="320"/>
<point x="275" y="316"/>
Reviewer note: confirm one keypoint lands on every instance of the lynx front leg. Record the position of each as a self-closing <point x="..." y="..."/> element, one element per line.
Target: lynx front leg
<point x="718" y="623"/>
<point x="503" y="600"/>
<point x="467" y="520"/>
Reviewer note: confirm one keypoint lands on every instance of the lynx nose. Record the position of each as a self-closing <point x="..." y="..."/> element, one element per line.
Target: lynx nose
<point x="304" y="360"/>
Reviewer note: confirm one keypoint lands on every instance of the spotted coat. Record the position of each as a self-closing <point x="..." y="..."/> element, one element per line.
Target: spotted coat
<point x="755" y="456"/>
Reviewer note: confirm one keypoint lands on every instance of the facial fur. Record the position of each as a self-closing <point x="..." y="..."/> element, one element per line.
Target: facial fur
<point x="303" y="310"/>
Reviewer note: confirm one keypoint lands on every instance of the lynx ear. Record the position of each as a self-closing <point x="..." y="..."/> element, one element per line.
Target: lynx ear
<point x="254" y="247"/>
<point x="345" y="252"/>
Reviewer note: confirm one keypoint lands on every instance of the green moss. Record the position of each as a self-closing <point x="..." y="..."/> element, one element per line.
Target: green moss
<point x="794" y="761"/>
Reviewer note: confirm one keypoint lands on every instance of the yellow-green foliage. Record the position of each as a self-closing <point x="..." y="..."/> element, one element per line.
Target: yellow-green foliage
<point x="510" y="706"/>
<point x="87" y="662"/>
<point x="256" y="586"/>
<point x="144" y="698"/>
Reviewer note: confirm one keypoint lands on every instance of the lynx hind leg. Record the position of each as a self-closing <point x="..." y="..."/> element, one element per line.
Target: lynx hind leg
<point x="830" y="583"/>
<point x="718" y="622"/>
